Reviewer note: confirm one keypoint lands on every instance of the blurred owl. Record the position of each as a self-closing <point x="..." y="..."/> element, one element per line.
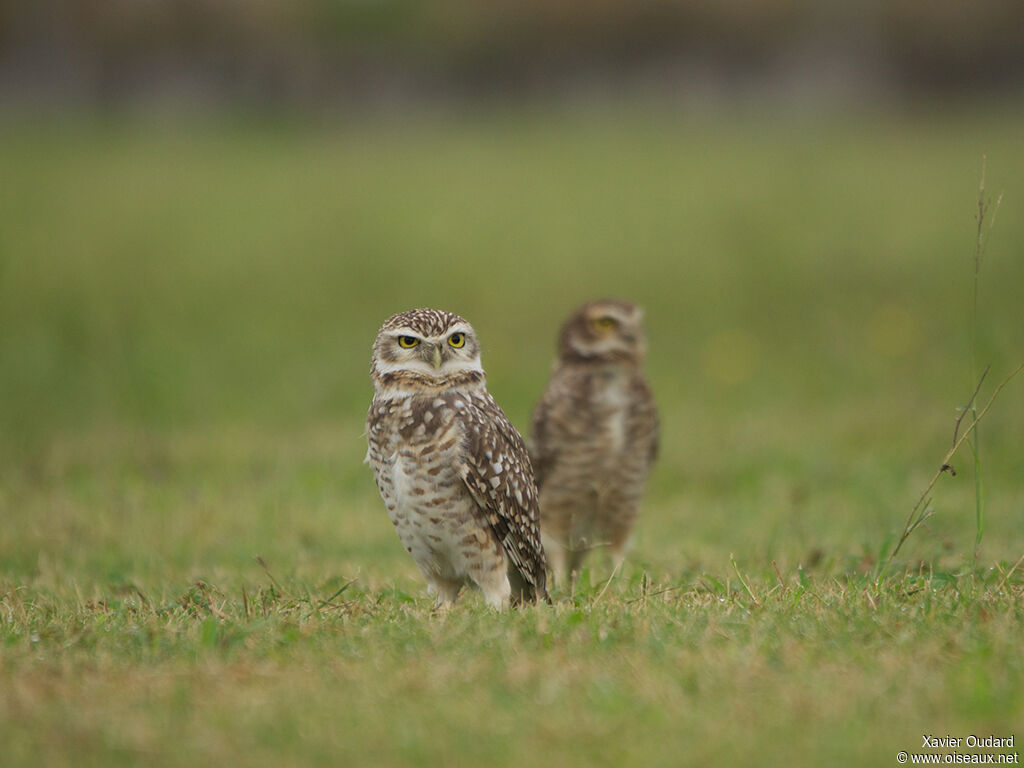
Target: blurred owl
<point x="453" y="472"/>
<point x="594" y="436"/>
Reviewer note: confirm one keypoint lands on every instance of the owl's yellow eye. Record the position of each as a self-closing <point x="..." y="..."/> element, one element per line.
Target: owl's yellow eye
<point x="605" y="324"/>
<point x="457" y="339"/>
<point x="407" y="342"/>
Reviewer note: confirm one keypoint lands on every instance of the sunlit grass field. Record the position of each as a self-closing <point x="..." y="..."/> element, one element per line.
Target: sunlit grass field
<point x="196" y="569"/>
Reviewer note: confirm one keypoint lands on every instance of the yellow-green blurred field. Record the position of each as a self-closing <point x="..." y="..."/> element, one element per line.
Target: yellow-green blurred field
<point x="186" y="313"/>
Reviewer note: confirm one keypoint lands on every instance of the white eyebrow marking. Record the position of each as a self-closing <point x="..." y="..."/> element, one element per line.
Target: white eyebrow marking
<point x="404" y="331"/>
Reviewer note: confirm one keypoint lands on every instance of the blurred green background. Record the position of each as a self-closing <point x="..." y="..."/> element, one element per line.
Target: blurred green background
<point x="808" y="283"/>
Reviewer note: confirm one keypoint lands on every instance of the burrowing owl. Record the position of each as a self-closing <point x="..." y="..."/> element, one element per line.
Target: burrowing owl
<point x="453" y="472"/>
<point x="595" y="435"/>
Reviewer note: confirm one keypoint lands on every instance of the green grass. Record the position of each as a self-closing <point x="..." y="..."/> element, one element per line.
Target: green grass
<point x="186" y="312"/>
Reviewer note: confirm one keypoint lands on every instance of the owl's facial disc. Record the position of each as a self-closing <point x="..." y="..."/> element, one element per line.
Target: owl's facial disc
<point x="605" y="331"/>
<point x="405" y="349"/>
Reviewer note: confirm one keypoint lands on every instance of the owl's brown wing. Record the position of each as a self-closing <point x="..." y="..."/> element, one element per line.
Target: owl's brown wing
<point x="551" y="421"/>
<point x="497" y="471"/>
<point x="540" y="456"/>
<point x="645" y="414"/>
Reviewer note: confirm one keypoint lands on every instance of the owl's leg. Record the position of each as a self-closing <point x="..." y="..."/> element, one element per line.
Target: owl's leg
<point x="564" y="560"/>
<point x="554" y="551"/>
<point x="575" y="565"/>
<point x="493" y="582"/>
<point x="559" y="524"/>
<point x="617" y="518"/>
<point x="446" y="591"/>
<point x="621" y="537"/>
<point x="618" y="552"/>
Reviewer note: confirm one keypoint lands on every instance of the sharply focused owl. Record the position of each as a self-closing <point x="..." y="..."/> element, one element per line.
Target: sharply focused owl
<point x="453" y="472"/>
<point x="595" y="436"/>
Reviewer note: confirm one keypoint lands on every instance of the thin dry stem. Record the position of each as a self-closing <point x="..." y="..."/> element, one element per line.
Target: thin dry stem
<point x="607" y="583"/>
<point x="1009" y="573"/>
<point x="743" y="581"/>
<point x="969" y="407"/>
<point x="778" y="575"/>
<point x="912" y="523"/>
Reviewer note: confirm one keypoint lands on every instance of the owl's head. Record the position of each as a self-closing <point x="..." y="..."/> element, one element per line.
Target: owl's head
<point x="604" y="331"/>
<point x="425" y="350"/>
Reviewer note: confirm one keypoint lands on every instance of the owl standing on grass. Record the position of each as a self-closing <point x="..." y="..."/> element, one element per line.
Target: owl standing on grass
<point x="453" y="472"/>
<point x="595" y="436"/>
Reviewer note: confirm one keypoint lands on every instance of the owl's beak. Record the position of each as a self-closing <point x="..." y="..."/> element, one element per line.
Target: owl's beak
<point x="436" y="359"/>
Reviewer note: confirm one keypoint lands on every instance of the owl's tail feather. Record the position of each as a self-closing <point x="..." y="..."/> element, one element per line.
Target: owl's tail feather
<point x="525" y="592"/>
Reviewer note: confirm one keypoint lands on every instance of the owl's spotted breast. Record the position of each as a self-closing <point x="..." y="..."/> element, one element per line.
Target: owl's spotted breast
<point x="414" y="448"/>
